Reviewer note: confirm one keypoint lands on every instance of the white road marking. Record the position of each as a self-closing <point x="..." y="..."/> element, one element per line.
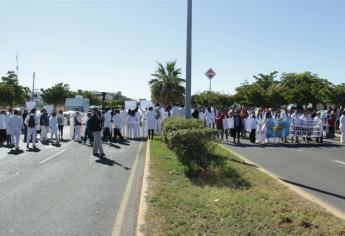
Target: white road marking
<point x="51" y="157"/>
<point x="300" y="150"/>
<point x="340" y="162"/>
<point x="124" y="202"/>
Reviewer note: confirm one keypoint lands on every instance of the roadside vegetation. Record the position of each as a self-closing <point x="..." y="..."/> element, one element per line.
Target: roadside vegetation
<point x="225" y="196"/>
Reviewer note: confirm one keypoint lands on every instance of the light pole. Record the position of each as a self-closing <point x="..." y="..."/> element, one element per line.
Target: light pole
<point x="188" y="61"/>
<point x="33" y="86"/>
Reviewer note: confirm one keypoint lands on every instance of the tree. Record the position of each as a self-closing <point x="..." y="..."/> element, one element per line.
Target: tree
<point x="264" y="92"/>
<point x="212" y="99"/>
<point x="305" y="88"/>
<point x="338" y="96"/>
<point x="166" y="85"/>
<point x="57" y="94"/>
<point x="11" y="92"/>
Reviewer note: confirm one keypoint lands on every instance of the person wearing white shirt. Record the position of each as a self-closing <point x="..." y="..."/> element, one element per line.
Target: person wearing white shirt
<point x="144" y="122"/>
<point x="174" y="110"/>
<point x="123" y="115"/>
<point x="15" y="122"/>
<point x="2" y="127"/>
<point x="107" y="126"/>
<point x="8" y="129"/>
<point x="31" y="121"/>
<point x="54" y="127"/>
<point x="181" y="111"/>
<point x="137" y="124"/>
<point x="319" y="121"/>
<point x="202" y="117"/>
<point x="117" y="121"/>
<point x="151" y="122"/>
<point x="342" y="127"/>
<point x="77" y="127"/>
<point x="208" y="118"/>
<point x="295" y="120"/>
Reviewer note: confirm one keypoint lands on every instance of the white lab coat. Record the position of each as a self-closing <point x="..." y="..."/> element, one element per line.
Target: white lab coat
<point x="2" y="122"/>
<point x="151" y="120"/>
<point x="107" y="120"/>
<point x="117" y="121"/>
<point x="8" y="128"/>
<point x="15" y="124"/>
<point x="342" y="129"/>
<point x="53" y="125"/>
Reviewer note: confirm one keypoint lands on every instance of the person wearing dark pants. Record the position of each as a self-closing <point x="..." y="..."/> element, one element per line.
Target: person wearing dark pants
<point x="237" y="126"/>
<point x="151" y="122"/>
<point x="96" y="128"/>
<point x="25" y="127"/>
<point x="88" y="132"/>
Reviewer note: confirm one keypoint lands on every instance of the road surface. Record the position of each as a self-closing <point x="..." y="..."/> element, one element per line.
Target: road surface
<point x="67" y="191"/>
<point x="318" y="169"/>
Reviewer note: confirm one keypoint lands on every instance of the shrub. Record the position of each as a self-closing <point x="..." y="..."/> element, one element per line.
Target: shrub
<point x="177" y="123"/>
<point x="194" y="146"/>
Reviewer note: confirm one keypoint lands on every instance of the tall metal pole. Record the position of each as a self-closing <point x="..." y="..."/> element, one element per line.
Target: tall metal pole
<point x="33" y="87"/>
<point x="189" y="61"/>
<point x="210" y="86"/>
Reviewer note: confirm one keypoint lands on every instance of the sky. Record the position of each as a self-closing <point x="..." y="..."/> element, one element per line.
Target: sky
<point x="114" y="45"/>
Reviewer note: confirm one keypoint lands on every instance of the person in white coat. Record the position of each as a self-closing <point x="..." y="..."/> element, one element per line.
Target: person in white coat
<point x="151" y="122"/>
<point x="31" y="121"/>
<point x="54" y="127"/>
<point x="15" y="123"/>
<point x="318" y="119"/>
<point x="2" y="127"/>
<point x="138" y="115"/>
<point x="123" y="115"/>
<point x="208" y="118"/>
<point x="107" y="126"/>
<point x="77" y="127"/>
<point x="342" y="127"/>
<point x="144" y="122"/>
<point x="117" y="125"/>
<point x="8" y="129"/>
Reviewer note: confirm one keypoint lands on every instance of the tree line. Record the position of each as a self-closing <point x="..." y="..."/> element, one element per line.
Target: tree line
<point x="13" y="94"/>
<point x="267" y="90"/>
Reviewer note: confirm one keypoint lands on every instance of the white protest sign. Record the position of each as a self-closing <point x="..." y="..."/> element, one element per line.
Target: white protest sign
<point x="49" y="109"/>
<point x="145" y="104"/>
<point x="30" y="105"/>
<point x="130" y="105"/>
<point x="231" y="123"/>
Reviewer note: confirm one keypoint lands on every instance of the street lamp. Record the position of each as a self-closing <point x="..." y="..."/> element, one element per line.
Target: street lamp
<point x="188" y="61"/>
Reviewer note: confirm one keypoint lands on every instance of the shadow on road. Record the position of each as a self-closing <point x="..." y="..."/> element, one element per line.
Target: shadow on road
<point x="109" y="162"/>
<point x="34" y="149"/>
<point x="15" y="152"/>
<point x="314" y="189"/>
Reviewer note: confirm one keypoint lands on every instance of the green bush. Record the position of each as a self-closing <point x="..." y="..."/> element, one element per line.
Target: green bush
<point x="177" y="123"/>
<point x="194" y="146"/>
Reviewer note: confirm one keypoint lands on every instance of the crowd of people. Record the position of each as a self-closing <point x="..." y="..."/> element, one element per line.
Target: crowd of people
<point x="113" y="125"/>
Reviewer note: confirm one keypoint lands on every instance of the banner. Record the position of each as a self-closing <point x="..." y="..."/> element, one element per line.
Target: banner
<point x="309" y="128"/>
<point x="130" y="105"/>
<point x="277" y="128"/>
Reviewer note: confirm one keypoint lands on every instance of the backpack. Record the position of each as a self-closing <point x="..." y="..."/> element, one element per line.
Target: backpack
<point x="32" y="122"/>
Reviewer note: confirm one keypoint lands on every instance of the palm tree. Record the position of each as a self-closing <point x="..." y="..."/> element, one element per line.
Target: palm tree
<point x="166" y="85"/>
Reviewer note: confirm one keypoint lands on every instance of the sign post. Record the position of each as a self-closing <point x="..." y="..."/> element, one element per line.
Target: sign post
<point x="210" y="74"/>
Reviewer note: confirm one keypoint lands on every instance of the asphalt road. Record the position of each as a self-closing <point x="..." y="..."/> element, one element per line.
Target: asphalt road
<point x="318" y="169"/>
<point x="67" y="191"/>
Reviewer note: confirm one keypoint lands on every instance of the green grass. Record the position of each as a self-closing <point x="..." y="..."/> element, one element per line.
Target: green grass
<point x="236" y="200"/>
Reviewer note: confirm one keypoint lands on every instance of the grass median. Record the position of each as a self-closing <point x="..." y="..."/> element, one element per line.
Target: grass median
<point x="233" y="199"/>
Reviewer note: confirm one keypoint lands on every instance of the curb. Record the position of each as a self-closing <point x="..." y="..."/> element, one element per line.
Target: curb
<point x="299" y="191"/>
<point x="144" y="188"/>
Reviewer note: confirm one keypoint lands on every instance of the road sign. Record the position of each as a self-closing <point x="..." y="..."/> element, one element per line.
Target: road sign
<point x="210" y="73"/>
